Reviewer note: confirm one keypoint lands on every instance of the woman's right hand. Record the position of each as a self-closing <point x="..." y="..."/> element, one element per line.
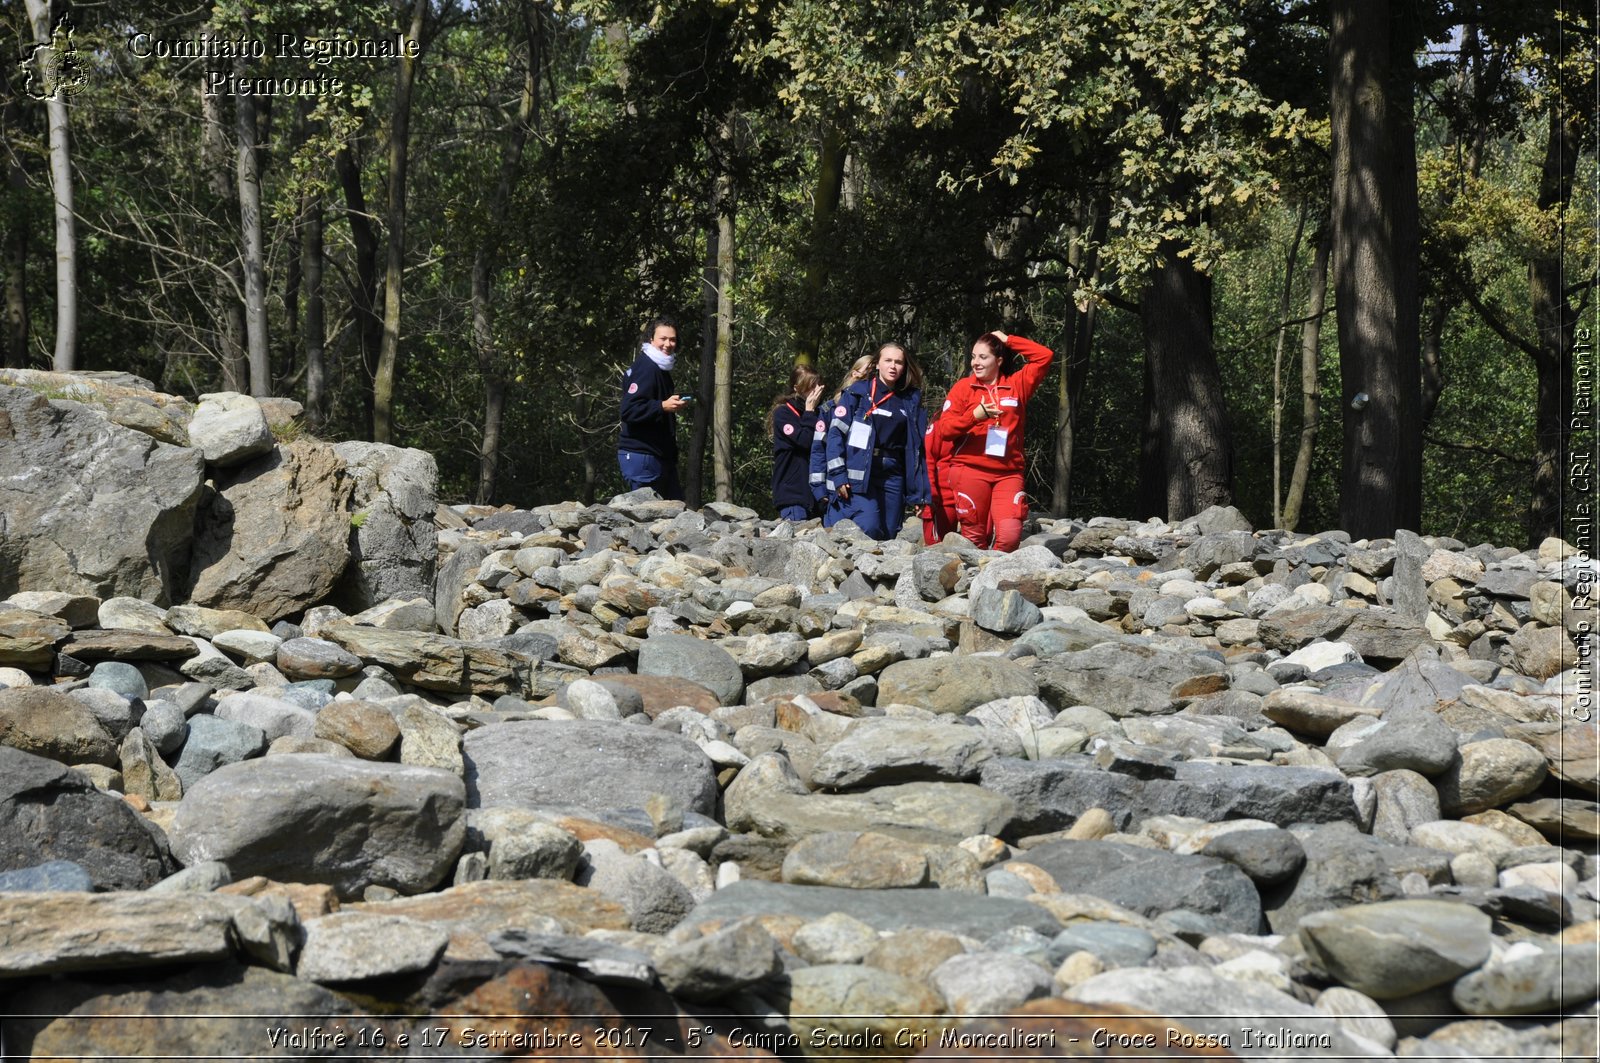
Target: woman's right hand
<point x="985" y="411"/>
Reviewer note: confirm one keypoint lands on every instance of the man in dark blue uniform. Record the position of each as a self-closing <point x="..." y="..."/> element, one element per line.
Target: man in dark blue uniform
<point x="647" y="446"/>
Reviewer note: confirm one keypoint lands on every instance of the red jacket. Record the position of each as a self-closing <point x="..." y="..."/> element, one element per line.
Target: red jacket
<point x="969" y="438"/>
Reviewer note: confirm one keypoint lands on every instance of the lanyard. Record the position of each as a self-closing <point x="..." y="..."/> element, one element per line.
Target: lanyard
<point x="874" y="407"/>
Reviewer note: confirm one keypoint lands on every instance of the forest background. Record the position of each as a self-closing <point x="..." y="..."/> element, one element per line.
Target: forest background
<point x="1332" y="261"/>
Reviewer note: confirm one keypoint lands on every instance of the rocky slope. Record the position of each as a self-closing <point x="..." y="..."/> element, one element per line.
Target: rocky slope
<point x="636" y="781"/>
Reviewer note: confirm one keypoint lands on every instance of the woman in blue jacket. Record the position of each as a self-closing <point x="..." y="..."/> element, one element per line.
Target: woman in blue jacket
<point x="793" y="420"/>
<point x="875" y="462"/>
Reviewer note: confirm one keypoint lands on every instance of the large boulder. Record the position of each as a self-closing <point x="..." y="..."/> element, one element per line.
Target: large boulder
<point x="394" y="547"/>
<point x="274" y="537"/>
<point x="90" y="507"/>
<point x="694" y="659"/>
<point x="315" y="818"/>
<point x="49" y="812"/>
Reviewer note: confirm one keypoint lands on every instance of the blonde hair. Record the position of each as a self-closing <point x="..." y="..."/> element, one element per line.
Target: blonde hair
<point x="860" y="369"/>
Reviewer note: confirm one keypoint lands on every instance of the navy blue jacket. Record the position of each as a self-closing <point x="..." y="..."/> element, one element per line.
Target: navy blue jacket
<point x="853" y="465"/>
<point x="792" y="431"/>
<point x="646" y="427"/>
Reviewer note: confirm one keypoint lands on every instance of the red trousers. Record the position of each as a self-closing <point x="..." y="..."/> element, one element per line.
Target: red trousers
<point x="991" y="507"/>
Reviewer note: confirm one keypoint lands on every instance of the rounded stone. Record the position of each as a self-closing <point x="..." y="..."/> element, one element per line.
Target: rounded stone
<point x="119" y="678"/>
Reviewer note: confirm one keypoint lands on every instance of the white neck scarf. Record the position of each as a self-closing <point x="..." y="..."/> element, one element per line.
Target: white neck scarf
<point x="662" y="359"/>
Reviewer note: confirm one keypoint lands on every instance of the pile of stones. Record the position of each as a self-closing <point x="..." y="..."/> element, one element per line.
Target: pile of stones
<point x="791" y="790"/>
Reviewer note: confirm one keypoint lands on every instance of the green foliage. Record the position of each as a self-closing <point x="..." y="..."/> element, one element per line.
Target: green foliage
<point x="996" y="154"/>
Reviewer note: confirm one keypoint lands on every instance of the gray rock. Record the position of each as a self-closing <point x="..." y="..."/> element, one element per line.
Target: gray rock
<point x="274" y="716"/>
<point x="50" y="812"/>
<point x="305" y="658"/>
<point x="708" y="967"/>
<point x="119" y="678"/>
<point x="598" y="961"/>
<point x="229" y="428"/>
<point x="1488" y="774"/>
<point x="1410" y="590"/>
<point x="1267" y="856"/>
<point x="1051" y="794"/>
<point x="654" y="900"/>
<point x="835" y="938"/>
<point x="116" y="713"/>
<point x="394" y="548"/>
<point x="355" y="946"/>
<point x="348" y="823"/>
<point x="989" y="983"/>
<point x="1407" y="739"/>
<point x="1342" y="869"/>
<point x="203" y="877"/>
<point x="1555" y="979"/>
<point x="52" y="875"/>
<point x="884" y="750"/>
<point x="1124" y="679"/>
<point x="953" y="685"/>
<point x="1152" y="881"/>
<point x="213" y="742"/>
<point x="972" y="915"/>
<point x="1003" y="612"/>
<point x="163" y="723"/>
<point x="1403" y="800"/>
<point x="1397" y="948"/>
<point x="588" y="765"/>
<point x="850" y="1004"/>
<point x="144" y="773"/>
<point x="694" y="659"/>
<point x="521" y="845"/>
<point x="1113" y="944"/>
<point x="94" y="508"/>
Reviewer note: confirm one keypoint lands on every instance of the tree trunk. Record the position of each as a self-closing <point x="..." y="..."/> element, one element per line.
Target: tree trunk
<point x="1184" y="386"/>
<point x="229" y="306"/>
<point x="1555" y="323"/>
<point x="722" y="415"/>
<point x="15" y="353"/>
<point x="1075" y="374"/>
<point x="1310" y="384"/>
<point x="399" y="151"/>
<point x="314" y="326"/>
<point x="824" y="210"/>
<point x="1371" y="72"/>
<point x="1277" y="369"/>
<point x="253" y="243"/>
<point x="695" y="476"/>
<point x="490" y="365"/>
<point x="66" y="353"/>
<point x="363" y="300"/>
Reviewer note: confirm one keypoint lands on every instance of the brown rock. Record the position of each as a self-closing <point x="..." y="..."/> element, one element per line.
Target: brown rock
<point x="28" y="639"/>
<point x="1199" y="686"/>
<point x="209" y="623"/>
<point x="53" y="933"/>
<point x="914" y="953"/>
<point x="125" y="644"/>
<point x="310" y="899"/>
<point x="367" y="730"/>
<point x="1572" y="754"/>
<point x="41" y="721"/>
<point x="434" y="662"/>
<point x="474" y="910"/>
<point x="660" y="692"/>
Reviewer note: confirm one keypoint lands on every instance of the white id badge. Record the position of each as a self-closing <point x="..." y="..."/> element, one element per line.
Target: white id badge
<point x="860" y="435"/>
<point x="996" y="443"/>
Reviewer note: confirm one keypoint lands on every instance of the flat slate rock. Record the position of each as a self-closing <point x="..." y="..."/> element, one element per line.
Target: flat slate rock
<point x="1153" y="881"/>
<point x="974" y="915"/>
<point x="585" y="765"/>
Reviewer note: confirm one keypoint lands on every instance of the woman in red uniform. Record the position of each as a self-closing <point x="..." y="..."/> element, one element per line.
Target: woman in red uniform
<point x="983" y="421"/>
<point x="939" y="516"/>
